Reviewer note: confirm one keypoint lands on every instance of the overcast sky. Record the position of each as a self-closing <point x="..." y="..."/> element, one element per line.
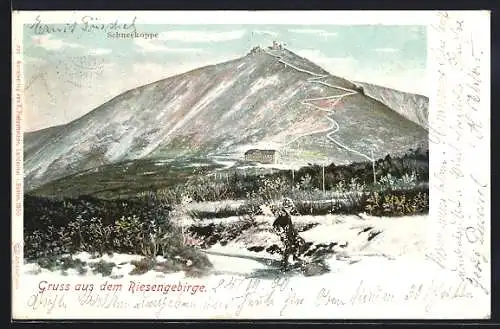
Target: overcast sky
<point x="69" y="74"/>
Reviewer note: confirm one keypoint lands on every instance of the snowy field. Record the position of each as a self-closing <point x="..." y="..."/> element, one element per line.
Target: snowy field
<point x="396" y="238"/>
<point x="376" y="262"/>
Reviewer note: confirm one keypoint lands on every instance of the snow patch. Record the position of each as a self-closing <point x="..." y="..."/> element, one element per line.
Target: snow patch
<point x="198" y="165"/>
<point x="121" y="147"/>
<point x="149" y="173"/>
<point x="226" y="163"/>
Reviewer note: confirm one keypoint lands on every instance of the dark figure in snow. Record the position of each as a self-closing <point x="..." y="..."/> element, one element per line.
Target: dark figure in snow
<point x="289" y="236"/>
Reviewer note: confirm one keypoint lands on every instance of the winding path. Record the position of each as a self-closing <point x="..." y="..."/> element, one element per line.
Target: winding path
<point x="317" y="78"/>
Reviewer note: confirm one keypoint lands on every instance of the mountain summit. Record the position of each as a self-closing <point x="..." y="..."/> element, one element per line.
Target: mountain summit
<point x="269" y="98"/>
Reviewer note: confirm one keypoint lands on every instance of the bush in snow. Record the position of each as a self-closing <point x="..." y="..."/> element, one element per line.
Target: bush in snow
<point x="221" y="233"/>
<point x="143" y="265"/>
<point x="56" y="227"/>
<point x="398" y="203"/>
<point x="219" y="212"/>
<point x="305" y="183"/>
<point x="408" y="180"/>
<point x="102" y="267"/>
<point x="62" y="263"/>
<point x="169" y="195"/>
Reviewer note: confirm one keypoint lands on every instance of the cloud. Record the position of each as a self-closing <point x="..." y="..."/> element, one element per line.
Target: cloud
<point x="152" y="46"/>
<point x="386" y="50"/>
<point x="153" y="71"/>
<point x="306" y="31"/>
<point x="409" y="80"/>
<point x="265" y="32"/>
<point x="338" y="66"/>
<point x="201" y="36"/>
<point x="46" y="42"/>
<point x="99" y="51"/>
<point x="149" y="71"/>
<point x="328" y="34"/>
<point x="318" y="57"/>
<point x="319" y="32"/>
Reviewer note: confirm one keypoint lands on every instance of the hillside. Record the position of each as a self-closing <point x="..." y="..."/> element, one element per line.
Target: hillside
<point x="412" y="106"/>
<point x="272" y="98"/>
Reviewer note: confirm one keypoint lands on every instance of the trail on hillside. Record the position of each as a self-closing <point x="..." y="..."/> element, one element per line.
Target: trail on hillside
<point x="317" y="78"/>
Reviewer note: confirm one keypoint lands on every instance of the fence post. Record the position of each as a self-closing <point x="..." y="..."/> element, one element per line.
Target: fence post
<point x="323" y="170"/>
<point x="373" y="167"/>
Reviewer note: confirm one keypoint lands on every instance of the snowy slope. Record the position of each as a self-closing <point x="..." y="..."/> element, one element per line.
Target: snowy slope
<point x="248" y="284"/>
<point x="398" y="237"/>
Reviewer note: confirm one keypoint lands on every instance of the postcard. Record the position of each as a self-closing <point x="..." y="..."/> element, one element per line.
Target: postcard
<point x="251" y="165"/>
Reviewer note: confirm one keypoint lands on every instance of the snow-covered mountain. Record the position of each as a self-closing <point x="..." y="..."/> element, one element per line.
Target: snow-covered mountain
<point x="268" y="98"/>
